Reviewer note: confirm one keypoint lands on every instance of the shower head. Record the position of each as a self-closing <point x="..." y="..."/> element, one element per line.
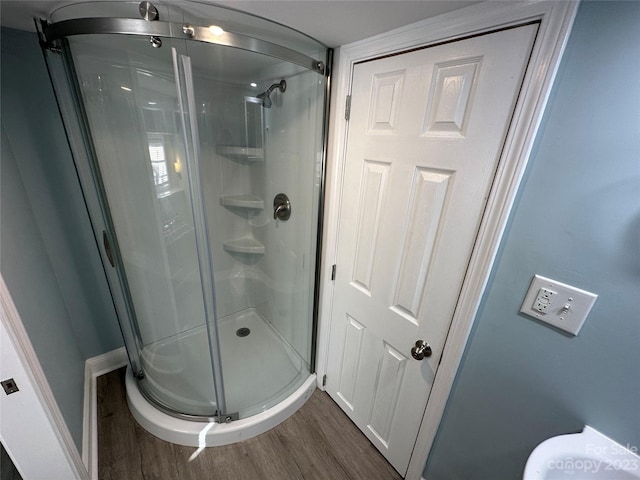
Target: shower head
<point x="266" y="96"/>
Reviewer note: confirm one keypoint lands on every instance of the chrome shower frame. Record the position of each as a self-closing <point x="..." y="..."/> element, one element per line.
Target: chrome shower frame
<point x="180" y="31"/>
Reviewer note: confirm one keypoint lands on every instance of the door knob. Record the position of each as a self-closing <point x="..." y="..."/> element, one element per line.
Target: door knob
<point x="421" y="350"/>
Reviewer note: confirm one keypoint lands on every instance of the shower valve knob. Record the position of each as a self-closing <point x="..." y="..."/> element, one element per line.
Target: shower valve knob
<point x="422" y="349"/>
<point x="281" y="207"/>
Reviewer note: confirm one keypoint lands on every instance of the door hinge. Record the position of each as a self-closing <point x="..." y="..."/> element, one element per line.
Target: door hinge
<point x="347" y="108"/>
<point x="324" y="380"/>
<point x="333" y="273"/>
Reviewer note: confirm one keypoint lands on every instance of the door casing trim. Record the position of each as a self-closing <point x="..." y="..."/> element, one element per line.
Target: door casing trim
<point x="47" y="421"/>
<point x="556" y="20"/>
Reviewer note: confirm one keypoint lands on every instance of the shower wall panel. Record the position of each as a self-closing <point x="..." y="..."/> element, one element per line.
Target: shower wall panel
<point x="221" y="122"/>
<point x="292" y="166"/>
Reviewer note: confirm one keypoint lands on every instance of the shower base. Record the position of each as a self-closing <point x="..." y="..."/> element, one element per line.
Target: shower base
<point x="282" y="380"/>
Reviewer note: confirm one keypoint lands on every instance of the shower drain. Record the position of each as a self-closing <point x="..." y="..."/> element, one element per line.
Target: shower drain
<point x="243" y="332"/>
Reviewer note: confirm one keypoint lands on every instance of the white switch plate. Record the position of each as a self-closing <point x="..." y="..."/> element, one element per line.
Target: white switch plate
<point x="561" y="305"/>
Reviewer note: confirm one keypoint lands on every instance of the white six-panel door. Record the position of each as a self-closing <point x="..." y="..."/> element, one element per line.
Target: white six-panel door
<point x="425" y="136"/>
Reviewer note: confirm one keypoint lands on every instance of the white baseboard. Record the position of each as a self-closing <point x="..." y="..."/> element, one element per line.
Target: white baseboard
<point x="93" y="368"/>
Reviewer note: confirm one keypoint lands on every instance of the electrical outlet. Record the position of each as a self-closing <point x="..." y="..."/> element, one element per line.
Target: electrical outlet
<point x="558" y="304"/>
<point x="544" y="300"/>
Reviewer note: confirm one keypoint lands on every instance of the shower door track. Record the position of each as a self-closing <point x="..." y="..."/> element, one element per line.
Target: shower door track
<point x="131" y="26"/>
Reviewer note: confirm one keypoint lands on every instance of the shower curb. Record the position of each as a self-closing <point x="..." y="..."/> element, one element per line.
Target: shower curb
<point x="210" y="434"/>
<point x="93" y="368"/>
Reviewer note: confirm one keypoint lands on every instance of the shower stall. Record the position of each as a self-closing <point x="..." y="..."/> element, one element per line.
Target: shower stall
<point x="198" y="136"/>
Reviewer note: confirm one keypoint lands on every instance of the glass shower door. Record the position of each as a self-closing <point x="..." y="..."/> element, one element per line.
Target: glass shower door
<point x="256" y="129"/>
<point x="130" y="98"/>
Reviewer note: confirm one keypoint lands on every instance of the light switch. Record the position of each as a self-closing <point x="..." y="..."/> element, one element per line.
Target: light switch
<point x="561" y="305"/>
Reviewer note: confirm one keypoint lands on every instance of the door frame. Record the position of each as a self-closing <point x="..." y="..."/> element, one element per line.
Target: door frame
<point x="34" y="408"/>
<point x="556" y="20"/>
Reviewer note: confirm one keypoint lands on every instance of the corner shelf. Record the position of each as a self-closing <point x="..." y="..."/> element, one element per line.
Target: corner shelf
<point x="244" y="245"/>
<point x="242" y="201"/>
<point x="245" y="154"/>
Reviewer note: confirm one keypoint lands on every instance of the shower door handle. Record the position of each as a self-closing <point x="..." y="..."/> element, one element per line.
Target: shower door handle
<point x="107" y="248"/>
<point x="281" y="207"/>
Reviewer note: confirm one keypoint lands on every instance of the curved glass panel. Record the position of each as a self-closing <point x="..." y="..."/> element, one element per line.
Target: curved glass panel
<point x="131" y="102"/>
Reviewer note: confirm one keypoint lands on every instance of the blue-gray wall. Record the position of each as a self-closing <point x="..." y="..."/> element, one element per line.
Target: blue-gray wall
<point x="577" y="220"/>
<point x="48" y="256"/>
<point x="27" y="270"/>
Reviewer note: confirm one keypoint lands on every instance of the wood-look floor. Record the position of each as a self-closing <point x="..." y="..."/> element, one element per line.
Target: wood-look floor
<point x="317" y="442"/>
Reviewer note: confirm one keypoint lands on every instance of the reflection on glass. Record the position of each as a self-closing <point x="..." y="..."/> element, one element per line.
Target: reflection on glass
<point x="158" y="161"/>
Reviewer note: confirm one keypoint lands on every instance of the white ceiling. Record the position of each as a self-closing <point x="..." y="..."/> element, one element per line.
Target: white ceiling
<point x="333" y="22"/>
